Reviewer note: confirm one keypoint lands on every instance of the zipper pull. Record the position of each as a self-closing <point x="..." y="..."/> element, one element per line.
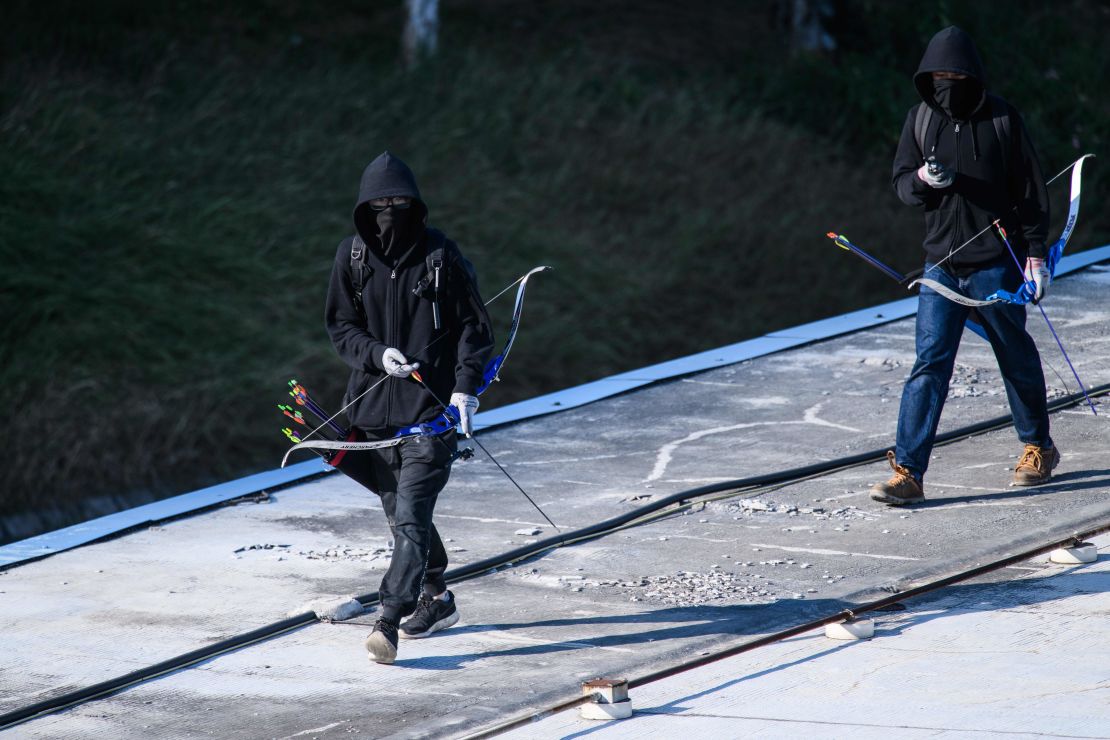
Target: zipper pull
<point x="957" y="128"/>
<point x="393" y="275"/>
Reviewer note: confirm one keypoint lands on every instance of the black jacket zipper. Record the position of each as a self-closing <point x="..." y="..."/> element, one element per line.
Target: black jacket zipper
<point x="959" y="203"/>
<point x="393" y="332"/>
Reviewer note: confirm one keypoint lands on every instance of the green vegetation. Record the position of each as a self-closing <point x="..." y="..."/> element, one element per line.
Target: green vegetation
<point x="176" y="178"/>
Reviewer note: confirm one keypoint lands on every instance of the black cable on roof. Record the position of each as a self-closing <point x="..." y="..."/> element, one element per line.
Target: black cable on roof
<point x="844" y="614"/>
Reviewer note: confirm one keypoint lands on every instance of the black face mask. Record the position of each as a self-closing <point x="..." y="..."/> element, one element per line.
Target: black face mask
<point x="395" y="228"/>
<point x="957" y="98"/>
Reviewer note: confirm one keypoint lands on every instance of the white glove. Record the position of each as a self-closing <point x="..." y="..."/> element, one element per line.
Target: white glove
<point x="395" y="363"/>
<point x="1037" y="273"/>
<point x="466" y="405"/>
<point x="935" y="174"/>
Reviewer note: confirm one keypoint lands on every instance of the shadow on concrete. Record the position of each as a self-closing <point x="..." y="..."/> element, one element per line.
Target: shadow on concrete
<point x="1003" y="595"/>
<point x="675" y="707"/>
<point x="1060" y="484"/>
<point x="687" y="622"/>
<point x="723" y="623"/>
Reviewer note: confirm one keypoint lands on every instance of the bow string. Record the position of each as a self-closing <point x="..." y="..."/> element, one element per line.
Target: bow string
<point x="1026" y="292"/>
<point x="448" y="419"/>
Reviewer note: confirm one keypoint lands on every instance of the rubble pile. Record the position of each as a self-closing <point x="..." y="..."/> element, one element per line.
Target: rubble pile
<point x="750" y="507"/>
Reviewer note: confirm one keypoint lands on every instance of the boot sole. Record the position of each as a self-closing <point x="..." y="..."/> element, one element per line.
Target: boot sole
<point x="448" y="621"/>
<point x="380" y="649"/>
<point x="894" y="501"/>
<point x="1031" y="483"/>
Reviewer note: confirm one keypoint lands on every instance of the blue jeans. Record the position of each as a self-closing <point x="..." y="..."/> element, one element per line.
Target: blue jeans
<point x="940" y="324"/>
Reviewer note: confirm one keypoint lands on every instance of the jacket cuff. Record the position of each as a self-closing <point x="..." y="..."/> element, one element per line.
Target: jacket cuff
<point x="1037" y="250"/>
<point x="467" y="384"/>
<point x="376" y="351"/>
<point x="920" y="187"/>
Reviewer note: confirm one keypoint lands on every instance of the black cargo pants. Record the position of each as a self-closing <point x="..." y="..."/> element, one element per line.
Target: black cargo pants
<point x="408" y="478"/>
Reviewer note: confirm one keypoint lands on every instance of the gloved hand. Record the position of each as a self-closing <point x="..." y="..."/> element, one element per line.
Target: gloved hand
<point x="1037" y="273"/>
<point x="466" y="405"/>
<point x="935" y="174"/>
<point x="395" y="363"/>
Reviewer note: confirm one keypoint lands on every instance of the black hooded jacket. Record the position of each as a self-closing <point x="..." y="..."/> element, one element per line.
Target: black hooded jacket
<point x="396" y="310"/>
<point x="962" y="136"/>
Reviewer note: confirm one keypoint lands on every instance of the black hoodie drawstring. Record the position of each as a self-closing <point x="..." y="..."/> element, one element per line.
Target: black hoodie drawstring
<point x="974" y="140"/>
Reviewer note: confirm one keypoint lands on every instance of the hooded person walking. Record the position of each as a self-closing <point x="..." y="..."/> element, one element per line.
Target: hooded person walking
<point x="403" y="297"/>
<point x="965" y="159"/>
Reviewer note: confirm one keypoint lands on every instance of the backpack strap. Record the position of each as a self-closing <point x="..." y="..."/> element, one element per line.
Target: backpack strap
<point x="921" y="122"/>
<point x="435" y="261"/>
<point x="437" y="264"/>
<point x="1000" y="116"/>
<point x="444" y="258"/>
<point x="360" y="271"/>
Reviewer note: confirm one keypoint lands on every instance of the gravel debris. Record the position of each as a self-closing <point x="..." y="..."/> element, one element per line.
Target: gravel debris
<point x="753" y="507"/>
<point x="683" y="588"/>
<point x="266" y="546"/>
<point x="341" y="553"/>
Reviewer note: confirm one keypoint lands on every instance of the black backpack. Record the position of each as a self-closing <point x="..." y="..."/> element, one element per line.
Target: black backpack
<point x="443" y="256"/>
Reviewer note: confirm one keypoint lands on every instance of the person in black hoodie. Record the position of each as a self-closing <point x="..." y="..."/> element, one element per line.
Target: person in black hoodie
<point x="967" y="160"/>
<point x="402" y="297"/>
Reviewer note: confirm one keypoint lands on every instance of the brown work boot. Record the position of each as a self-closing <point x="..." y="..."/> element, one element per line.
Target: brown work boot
<point x="1036" y="465"/>
<point x="901" y="489"/>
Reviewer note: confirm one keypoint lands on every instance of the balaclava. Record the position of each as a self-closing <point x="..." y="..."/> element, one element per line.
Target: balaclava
<point x="958" y="98"/>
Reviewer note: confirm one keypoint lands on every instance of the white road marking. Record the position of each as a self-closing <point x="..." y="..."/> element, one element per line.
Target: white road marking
<point x="488" y="520"/>
<point x="810" y="417"/>
<point x="666" y="452"/>
<point x="315" y="730"/>
<point x="691" y="537"/>
<point x="819" y="551"/>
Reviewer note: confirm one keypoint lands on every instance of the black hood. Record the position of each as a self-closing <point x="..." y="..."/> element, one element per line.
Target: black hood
<point x="951" y="50"/>
<point x="385" y="177"/>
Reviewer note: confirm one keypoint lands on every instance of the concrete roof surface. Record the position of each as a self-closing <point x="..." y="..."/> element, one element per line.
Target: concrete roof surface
<point x="1021" y="654"/>
<point x="633" y="601"/>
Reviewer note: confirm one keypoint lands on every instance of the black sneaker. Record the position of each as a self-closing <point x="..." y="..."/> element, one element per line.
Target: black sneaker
<point x="431" y="615"/>
<point x="382" y="642"/>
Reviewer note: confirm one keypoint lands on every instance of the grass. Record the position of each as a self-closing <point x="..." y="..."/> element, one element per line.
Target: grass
<point x="176" y="181"/>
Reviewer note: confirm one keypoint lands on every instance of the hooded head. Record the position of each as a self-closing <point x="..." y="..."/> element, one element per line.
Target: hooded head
<point x="394" y="229"/>
<point x="952" y="51"/>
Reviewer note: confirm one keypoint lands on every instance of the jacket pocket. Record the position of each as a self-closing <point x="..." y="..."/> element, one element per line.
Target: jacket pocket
<point x="368" y="411"/>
